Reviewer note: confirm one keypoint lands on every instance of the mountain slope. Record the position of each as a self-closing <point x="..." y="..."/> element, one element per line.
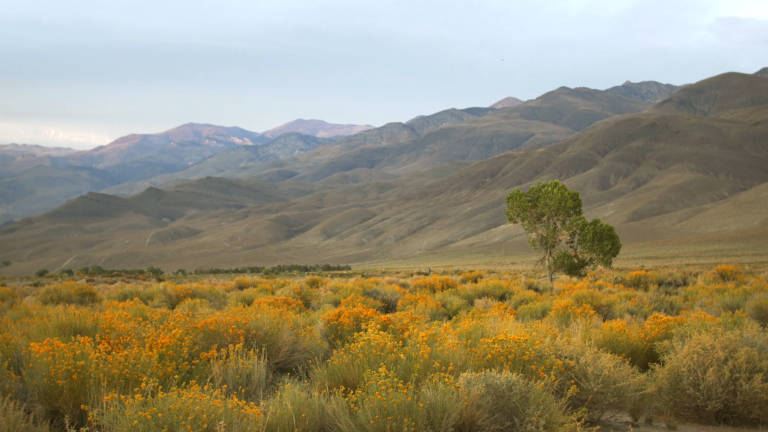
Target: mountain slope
<point x="173" y="149"/>
<point x="230" y="164"/>
<point x="507" y="102"/>
<point x="666" y="174"/>
<point x="16" y="158"/>
<point x="315" y="128"/>
<point x="41" y="188"/>
<point x="644" y="91"/>
<point x="717" y="95"/>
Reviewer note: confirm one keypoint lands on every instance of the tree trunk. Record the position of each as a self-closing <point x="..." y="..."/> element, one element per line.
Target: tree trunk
<point x="549" y="266"/>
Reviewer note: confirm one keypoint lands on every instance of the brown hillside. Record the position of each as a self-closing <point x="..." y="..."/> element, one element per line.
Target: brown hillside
<point x="664" y="176"/>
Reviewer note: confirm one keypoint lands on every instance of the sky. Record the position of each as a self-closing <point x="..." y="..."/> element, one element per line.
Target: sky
<point x="80" y="73"/>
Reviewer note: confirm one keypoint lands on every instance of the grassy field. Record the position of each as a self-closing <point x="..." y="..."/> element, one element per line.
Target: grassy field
<point x="387" y="350"/>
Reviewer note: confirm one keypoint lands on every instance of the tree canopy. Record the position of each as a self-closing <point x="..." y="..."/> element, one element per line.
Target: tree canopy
<point x="552" y="216"/>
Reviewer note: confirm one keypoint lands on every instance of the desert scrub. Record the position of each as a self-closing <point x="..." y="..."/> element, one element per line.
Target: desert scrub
<point x="386" y="295"/>
<point x="757" y="309"/>
<point x="8" y="296"/>
<point x="64" y="322"/>
<point x="129" y="292"/>
<point x="387" y="403"/>
<point x="422" y="304"/>
<point x="342" y="323"/>
<point x="493" y="288"/>
<point x="434" y="283"/>
<point x="277" y="332"/>
<point x="717" y="377"/>
<point x="16" y="418"/>
<point x="640" y="344"/>
<point x="534" y="311"/>
<point x="595" y="382"/>
<point x="244" y="374"/>
<point x="494" y="401"/>
<point x="412" y="358"/>
<point x="566" y="311"/>
<point x="296" y="408"/>
<point x="471" y="276"/>
<point x="68" y="293"/>
<point x="726" y="273"/>
<point x="193" y="408"/>
<point x="641" y="279"/>
<point x="171" y="295"/>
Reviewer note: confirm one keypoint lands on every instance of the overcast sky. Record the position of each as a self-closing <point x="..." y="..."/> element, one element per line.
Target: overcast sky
<point x="81" y="73"/>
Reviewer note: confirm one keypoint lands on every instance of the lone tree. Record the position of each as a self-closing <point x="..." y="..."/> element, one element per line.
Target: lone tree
<point x="552" y="216"/>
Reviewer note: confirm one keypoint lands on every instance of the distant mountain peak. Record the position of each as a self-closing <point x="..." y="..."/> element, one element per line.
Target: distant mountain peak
<point x="316" y="128"/>
<point x="507" y="102"/>
<point x="762" y="72"/>
<point x="644" y="91"/>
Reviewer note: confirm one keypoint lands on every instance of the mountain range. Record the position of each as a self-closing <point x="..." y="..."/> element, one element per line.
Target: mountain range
<point x="666" y="165"/>
<point x="36" y="179"/>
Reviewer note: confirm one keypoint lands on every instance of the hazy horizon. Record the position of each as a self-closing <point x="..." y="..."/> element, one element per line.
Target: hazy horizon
<point x="84" y="73"/>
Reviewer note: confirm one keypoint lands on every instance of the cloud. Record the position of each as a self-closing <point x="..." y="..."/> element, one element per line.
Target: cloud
<point x="49" y="134"/>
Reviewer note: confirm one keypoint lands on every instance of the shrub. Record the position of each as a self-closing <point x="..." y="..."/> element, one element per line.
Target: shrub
<point x="386" y="403"/>
<point x="277" y="333"/>
<point x="246" y="297"/>
<point x="342" y="323"/>
<point x="422" y="304"/>
<point x="523" y="350"/>
<point x="524" y="297"/>
<point x="244" y="374"/>
<point x="596" y="382"/>
<point x="58" y="378"/>
<point x="728" y="273"/>
<point x="470" y="277"/>
<point x="304" y="293"/>
<point x="68" y="293"/>
<point x="66" y="322"/>
<point x="566" y="311"/>
<point x="194" y="408"/>
<point x="451" y="303"/>
<point x="242" y="282"/>
<point x="757" y="309"/>
<point x="130" y="292"/>
<point x="8" y="296"/>
<point x="716" y="377"/>
<point x="493" y="288"/>
<point x="387" y="295"/>
<point x="602" y="303"/>
<point x="171" y="295"/>
<point x="15" y="418"/>
<point x="296" y="409"/>
<point x="534" y="311"/>
<point x="504" y="401"/>
<point x="434" y="283"/>
<point x="641" y="279"/>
